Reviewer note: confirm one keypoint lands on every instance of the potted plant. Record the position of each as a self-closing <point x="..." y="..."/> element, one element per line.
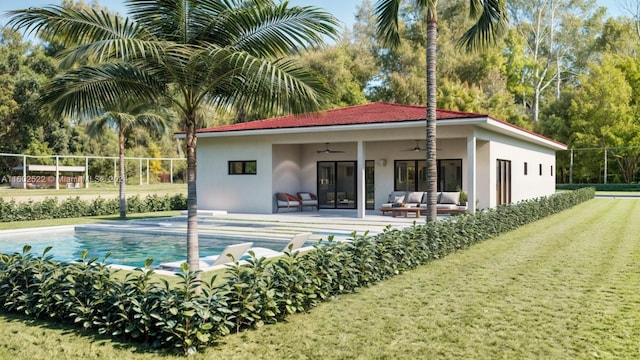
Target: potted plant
<point x="463" y="198"/>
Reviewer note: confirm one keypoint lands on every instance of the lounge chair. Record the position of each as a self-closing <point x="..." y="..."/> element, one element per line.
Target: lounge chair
<point x="235" y="250"/>
<point x="295" y="243"/>
<point x="308" y="199"/>
<point x="285" y="200"/>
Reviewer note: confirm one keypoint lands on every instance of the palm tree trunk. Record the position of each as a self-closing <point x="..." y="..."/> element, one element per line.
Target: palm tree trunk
<point x="432" y="171"/>
<point x="121" y="178"/>
<point x="193" y="256"/>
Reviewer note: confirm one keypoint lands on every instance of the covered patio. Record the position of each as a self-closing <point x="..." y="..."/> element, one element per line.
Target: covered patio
<point x="352" y="158"/>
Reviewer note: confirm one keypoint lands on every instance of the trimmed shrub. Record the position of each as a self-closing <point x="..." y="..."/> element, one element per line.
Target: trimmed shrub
<point x="193" y="315"/>
<point x="51" y="208"/>
<point x="601" y="187"/>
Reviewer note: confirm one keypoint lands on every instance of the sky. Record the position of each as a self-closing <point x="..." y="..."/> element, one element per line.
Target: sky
<point x="344" y="10"/>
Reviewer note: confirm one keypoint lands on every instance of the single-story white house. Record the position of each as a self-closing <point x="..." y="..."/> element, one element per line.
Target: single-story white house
<point x="353" y="157"/>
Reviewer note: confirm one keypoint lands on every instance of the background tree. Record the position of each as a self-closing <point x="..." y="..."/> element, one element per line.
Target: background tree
<point x="226" y="54"/>
<point x="124" y="118"/>
<point x="601" y="114"/>
<point x="490" y="20"/>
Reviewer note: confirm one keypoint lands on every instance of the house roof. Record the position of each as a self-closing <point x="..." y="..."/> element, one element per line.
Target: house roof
<point x="372" y="113"/>
<point x="376" y="113"/>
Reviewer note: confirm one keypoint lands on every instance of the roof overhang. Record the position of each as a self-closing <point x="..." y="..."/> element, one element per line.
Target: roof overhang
<point x="484" y="122"/>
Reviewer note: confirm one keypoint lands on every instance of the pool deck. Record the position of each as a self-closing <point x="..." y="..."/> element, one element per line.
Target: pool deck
<point x="322" y="224"/>
<point x="341" y="224"/>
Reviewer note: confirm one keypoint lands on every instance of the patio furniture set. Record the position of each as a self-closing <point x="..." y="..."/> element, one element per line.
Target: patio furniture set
<point x="404" y="202"/>
<point x="298" y="202"/>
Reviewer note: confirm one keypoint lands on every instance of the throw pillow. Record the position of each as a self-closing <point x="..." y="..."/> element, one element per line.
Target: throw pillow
<point x="449" y="197"/>
<point x="305" y="196"/>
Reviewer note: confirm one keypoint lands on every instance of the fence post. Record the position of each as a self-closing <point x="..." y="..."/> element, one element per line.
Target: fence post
<point x="24" y="171"/>
<point x="171" y="170"/>
<point x="605" y="164"/>
<point x="571" y="168"/>
<point x="57" y="173"/>
<point x="86" y="172"/>
<point x="147" y="171"/>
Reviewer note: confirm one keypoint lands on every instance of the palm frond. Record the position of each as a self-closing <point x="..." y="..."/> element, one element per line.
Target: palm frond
<point x="491" y="22"/>
<point x="90" y="91"/>
<point x="89" y="35"/>
<point x="272" y="31"/>
<point x="386" y="12"/>
<point x="268" y="86"/>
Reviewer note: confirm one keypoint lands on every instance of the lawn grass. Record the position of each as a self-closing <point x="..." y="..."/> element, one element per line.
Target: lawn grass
<point x="563" y="287"/>
<point x="102" y="189"/>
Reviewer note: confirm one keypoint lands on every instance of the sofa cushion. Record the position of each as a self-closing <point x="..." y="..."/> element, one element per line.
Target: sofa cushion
<point x="305" y="196"/>
<point x="414" y="197"/>
<point x="449" y="197"/>
<point x="396" y="195"/>
<point x="398" y="199"/>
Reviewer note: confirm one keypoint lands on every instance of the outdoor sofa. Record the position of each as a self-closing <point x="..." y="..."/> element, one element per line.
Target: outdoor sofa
<point x="299" y="201"/>
<point x="448" y="202"/>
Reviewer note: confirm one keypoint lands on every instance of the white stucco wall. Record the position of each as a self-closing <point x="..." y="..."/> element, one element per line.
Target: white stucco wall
<point x="288" y="163"/>
<point x="217" y="190"/>
<point x="518" y="152"/>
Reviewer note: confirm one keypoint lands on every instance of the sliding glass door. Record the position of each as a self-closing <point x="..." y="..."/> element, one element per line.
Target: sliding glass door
<point x="338" y="184"/>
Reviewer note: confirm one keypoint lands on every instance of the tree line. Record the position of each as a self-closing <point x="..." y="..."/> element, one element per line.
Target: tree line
<point x="563" y="69"/>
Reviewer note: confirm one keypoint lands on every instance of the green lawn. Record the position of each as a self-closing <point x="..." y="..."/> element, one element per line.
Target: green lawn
<point x="565" y="287"/>
<point x="102" y="189"/>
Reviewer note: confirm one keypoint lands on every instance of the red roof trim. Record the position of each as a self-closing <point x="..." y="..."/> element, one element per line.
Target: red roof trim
<point x="372" y="113"/>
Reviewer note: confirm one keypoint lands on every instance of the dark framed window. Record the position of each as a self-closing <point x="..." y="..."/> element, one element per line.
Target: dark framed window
<point x="526" y="170"/>
<point x="551" y="170"/>
<point x="540" y="170"/>
<point x="411" y="175"/>
<point x="503" y="182"/>
<point x="243" y="167"/>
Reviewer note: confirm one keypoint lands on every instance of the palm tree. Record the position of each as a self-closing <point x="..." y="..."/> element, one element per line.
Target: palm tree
<point x="130" y="115"/>
<point x="490" y="20"/>
<point x="194" y="53"/>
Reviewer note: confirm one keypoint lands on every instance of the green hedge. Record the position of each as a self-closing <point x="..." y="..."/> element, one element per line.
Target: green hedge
<point x="193" y="314"/>
<point x="52" y="208"/>
<point x="600" y="187"/>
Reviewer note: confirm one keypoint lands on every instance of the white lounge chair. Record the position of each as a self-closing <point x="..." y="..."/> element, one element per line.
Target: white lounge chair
<point x="296" y="242"/>
<point x="235" y="250"/>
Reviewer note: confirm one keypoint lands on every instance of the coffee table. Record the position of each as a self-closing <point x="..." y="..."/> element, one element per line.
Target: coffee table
<point x="401" y="210"/>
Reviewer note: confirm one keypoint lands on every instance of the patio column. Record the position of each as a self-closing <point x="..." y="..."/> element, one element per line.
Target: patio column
<point x="361" y="196"/>
<point x="471" y="173"/>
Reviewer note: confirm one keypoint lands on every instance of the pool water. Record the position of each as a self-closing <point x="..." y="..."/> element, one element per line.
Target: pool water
<point x="130" y="249"/>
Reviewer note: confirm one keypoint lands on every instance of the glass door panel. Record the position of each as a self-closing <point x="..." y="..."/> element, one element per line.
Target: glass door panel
<point x="346" y="184"/>
<point x="337" y="184"/>
<point x="369" y="184"/>
<point x="326" y="185"/>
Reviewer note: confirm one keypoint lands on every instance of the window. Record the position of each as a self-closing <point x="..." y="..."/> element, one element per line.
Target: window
<point x="411" y="175"/>
<point x="540" y="170"/>
<point x="526" y="168"/>
<point x="551" y="170"/>
<point x="245" y="167"/>
<point x="503" y="182"/>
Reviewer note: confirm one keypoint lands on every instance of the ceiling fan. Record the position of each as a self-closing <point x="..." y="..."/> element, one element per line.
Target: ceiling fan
<point x="417" y="148"/>
<point x="326" y="150"/>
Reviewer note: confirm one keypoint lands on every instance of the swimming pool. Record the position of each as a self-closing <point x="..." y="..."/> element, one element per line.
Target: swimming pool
<point x="126" y="248"/>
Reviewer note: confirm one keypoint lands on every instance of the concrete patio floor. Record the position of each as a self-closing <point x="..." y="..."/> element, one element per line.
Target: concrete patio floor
<point x="321" y="224"/>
